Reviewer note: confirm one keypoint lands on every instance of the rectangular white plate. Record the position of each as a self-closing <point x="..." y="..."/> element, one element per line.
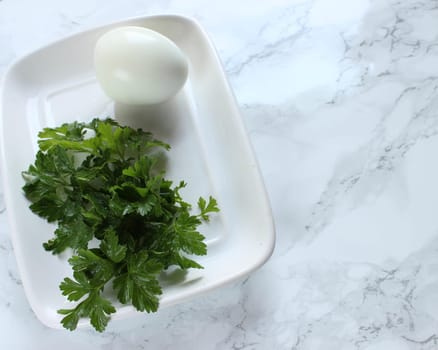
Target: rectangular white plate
<point x="210" y="151"/>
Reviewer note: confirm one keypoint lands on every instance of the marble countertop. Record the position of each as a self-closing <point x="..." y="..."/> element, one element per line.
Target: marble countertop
<point x="340" y="101"/>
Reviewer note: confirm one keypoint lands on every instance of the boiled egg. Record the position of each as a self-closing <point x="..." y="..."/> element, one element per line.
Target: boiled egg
<point x="138" y="66"/>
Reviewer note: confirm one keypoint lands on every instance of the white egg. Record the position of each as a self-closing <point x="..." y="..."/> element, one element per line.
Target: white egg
<point x="138" y="66"/>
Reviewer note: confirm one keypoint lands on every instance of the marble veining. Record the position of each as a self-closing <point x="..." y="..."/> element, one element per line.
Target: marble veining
<point x="340" y="100"/>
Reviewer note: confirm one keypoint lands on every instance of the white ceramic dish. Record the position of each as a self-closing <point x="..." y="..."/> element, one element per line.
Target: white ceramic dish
<point x="210" y="151"/>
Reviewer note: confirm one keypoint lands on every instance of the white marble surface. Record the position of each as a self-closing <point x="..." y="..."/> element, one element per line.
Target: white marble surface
<point x="340" y="99"/>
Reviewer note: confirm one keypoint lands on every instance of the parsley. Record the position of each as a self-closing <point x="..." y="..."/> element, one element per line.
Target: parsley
<point x="100" y="181"/>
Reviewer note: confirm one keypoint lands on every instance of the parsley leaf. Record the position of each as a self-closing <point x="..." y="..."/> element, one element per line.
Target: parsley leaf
<point x="207" y="208"/>
<point x="111" y="248"/>
<point x="74" y="233"/>
<point x="95" y="307"/>
<point x="75" y="290"/>
<point x="139" y="284"/>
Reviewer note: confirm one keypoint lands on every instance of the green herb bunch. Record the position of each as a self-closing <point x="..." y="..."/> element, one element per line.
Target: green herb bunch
<point x="100" y="181"/>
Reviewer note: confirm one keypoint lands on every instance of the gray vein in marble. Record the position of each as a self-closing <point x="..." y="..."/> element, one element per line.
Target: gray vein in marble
<point x="433" y="339"/>
<point x="268" y="51"/>
<point x="280" y="46"/>
<point x="389" y="293"/>
<point x="396" y="41"/>
<point x="68" y="22"/>
<point x="381" y="154"/>
<point x="14" y="278"/>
